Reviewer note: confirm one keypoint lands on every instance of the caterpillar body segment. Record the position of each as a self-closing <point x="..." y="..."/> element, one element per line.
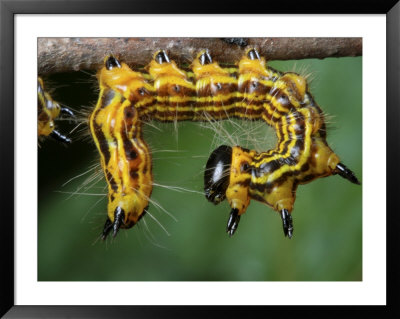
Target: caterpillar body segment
<point x="48" y="111"/>
<point x="124" y="156"/>
<point x="250" y="91"/>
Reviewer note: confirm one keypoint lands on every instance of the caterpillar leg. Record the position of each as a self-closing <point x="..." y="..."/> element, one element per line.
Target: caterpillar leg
<point x="119" y="220"/>
<point x="233" y="222"/>
<point x="107" y="228"/>
<point x="59" y="137"/>
<point x="287" y="223"/>
<point x="346" y="173"/>
<point x="67" y="111"/>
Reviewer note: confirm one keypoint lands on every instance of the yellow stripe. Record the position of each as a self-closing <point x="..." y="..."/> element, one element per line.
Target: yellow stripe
<point x="303" y="158"/>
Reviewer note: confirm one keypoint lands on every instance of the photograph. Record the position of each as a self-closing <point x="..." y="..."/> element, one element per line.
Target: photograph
<point x="200" y="159"/>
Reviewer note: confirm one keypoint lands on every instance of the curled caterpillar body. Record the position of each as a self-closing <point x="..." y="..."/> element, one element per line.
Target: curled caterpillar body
<point x="48" y="111"/>
<point x="125" y="159"/>
<point x="250" y="91"/>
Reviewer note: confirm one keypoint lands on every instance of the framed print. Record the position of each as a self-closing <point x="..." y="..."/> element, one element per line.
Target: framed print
<point x="173" y="165"/>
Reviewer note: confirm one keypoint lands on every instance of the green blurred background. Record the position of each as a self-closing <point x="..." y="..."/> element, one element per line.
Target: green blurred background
<point x="327" y="241"/>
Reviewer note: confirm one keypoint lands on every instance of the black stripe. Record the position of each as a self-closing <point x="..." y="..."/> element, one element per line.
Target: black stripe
<point x="111" y="180"/>
<point x="102" y="141"/>
<point x="107" y="97"/>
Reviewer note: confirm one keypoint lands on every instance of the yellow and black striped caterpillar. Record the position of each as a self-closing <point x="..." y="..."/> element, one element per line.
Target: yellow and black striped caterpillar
<point x="48" y="111"/>
<point x="250" y="91"/>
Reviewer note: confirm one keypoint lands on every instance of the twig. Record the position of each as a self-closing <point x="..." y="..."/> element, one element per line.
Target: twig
<point x="73" y="54"/>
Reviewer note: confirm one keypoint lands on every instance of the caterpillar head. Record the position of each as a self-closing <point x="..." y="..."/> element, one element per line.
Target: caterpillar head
<point x="216" y="175"/>
<point x="227" y="175"/>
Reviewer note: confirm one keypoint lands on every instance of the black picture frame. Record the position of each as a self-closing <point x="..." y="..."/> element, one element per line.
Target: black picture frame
<point x="8" y="10"/>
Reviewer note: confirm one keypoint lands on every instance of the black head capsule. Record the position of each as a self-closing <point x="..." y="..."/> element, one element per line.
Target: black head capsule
<point x="161" y="57"/>
<point x="216" y="175"/>
<point x="112" y="62"/>
<point x="205" y="58"/>
<point x="253" y="54"/>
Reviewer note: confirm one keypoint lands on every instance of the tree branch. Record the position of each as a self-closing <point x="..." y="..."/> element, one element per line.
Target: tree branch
<point x="74" y="54"/>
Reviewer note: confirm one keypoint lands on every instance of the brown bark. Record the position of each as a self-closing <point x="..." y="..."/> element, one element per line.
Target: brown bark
<point x="73" y="54"/>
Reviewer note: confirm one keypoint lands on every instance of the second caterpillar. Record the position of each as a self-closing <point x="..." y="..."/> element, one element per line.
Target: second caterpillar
<point x="249" y="91"/>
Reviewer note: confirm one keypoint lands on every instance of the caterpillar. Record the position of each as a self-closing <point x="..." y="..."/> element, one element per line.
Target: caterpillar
<point x="251" y="91"/>
<point x="48" y="111"/>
